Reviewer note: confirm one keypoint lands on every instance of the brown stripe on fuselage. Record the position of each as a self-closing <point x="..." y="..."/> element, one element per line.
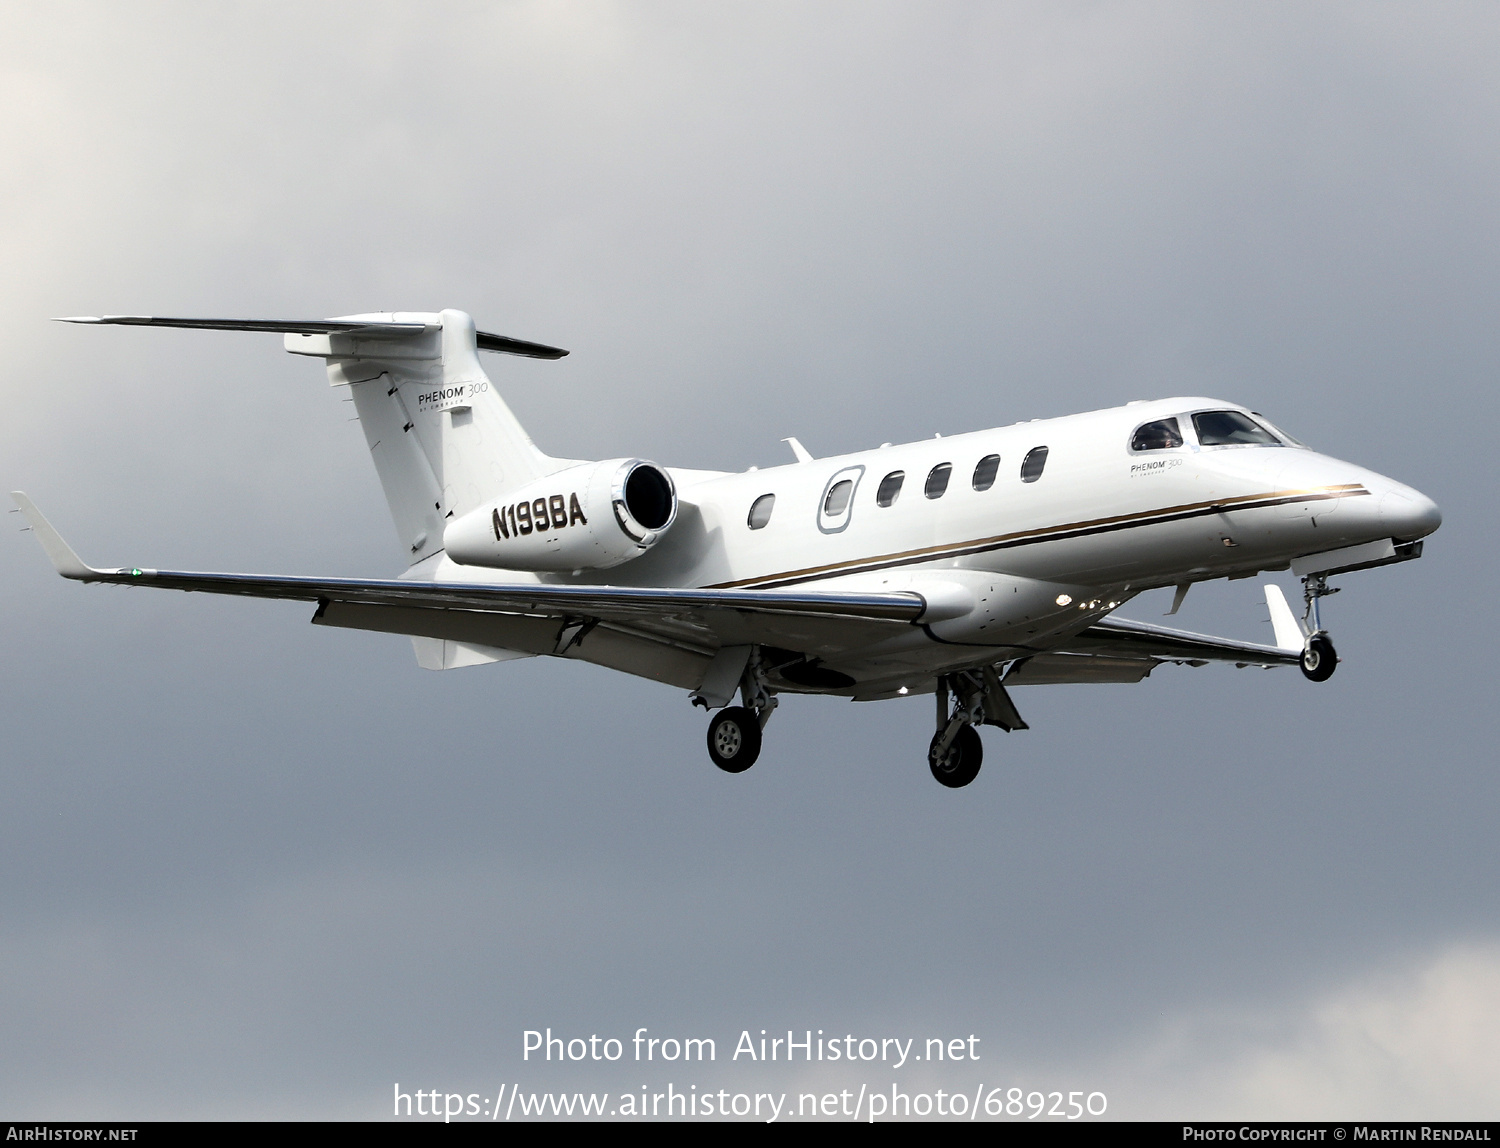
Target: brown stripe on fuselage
<point x="1048" y="534"/>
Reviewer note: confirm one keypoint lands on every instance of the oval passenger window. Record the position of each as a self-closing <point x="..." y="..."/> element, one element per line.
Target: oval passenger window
<point x="984" y="473"/>
<point x="1036" y="459"/>
<point x="890" y="488"/>
<point x="760" y="511"/>
<point x="838" y="498"/>
<point x="937" y="480"/>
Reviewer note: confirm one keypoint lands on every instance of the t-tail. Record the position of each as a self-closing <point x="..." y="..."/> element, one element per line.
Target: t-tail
<point x="443" y="440"/>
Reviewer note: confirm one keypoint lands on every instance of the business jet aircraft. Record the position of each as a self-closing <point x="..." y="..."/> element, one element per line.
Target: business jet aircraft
<point x="955" y="566"/>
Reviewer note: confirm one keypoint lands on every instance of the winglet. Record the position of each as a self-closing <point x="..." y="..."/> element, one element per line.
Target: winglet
<point x="68" y="564"/>
<point x="1288" y="631"/>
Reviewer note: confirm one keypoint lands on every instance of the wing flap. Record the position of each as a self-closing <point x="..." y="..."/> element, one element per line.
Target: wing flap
<point x="1053" y="669"/>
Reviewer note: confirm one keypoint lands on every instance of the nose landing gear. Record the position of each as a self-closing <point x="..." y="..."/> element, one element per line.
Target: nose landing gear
<point x="1319" y="659"/>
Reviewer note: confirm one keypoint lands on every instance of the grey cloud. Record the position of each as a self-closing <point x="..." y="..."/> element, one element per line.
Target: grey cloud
<point x="271" y="866"/>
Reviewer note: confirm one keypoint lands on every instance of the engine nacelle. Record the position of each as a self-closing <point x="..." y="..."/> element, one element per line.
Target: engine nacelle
<point x="587" y="517"/>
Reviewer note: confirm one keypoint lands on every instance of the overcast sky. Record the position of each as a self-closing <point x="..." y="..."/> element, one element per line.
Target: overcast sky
<point x="256" y="869"/>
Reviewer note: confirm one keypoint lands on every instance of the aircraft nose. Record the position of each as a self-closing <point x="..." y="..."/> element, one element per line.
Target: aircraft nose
<point x="1409" y="514"/>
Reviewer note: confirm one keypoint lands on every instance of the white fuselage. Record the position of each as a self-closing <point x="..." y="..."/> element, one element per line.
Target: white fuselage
<point x="1100" y="523"/>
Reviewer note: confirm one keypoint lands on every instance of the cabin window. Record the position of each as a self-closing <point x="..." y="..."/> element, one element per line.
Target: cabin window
<point x="1160" y="435"/>
<point x="890" y="488"/>
<point x="937" y="480"/>
<point x="760" y="511"/>
<point x="838" y="498"/>
<point x="984" y="473"/>
<point x="1031" y="466"/>
<point x="837" y="503"/>
<point x="1231" y="428"/>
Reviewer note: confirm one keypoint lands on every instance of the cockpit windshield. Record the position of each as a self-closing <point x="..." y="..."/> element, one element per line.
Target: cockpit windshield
<point x="1231" y="428"/>
<point x="1289" y="440"/>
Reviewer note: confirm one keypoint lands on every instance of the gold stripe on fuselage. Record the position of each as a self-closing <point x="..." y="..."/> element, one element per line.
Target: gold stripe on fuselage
<point x="1047" y="534"/>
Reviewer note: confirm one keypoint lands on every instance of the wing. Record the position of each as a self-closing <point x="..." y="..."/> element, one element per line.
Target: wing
<point x="667" y="634"/>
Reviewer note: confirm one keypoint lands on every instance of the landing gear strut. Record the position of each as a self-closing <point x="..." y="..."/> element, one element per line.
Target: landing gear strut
<point x="734" y="732"/>
<point x="964" y="700"/>
<point x="1319" y="659"/>
<point x="956" y="752"/>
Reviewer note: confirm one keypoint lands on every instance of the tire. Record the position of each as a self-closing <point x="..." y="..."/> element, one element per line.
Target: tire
<point x="960" y="765"/>
<point x="1319" y="659"/>
<point x="734" y="739"/>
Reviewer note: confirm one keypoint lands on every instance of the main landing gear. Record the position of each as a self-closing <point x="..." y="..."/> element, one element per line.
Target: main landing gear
<point x="965" y="700"/>
<point x="1319" y="659"/>
<point x="734" y="739"/>
<point x="734" y="732"/>
<point x="957" y="763"/>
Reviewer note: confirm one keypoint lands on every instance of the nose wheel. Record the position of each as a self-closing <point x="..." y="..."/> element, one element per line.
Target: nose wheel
<point x="1319" y="659"/>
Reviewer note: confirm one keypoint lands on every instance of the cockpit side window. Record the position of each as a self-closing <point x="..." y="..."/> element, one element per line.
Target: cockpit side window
<point x="1160" y="435"/>
<point x="1231" y="428"/>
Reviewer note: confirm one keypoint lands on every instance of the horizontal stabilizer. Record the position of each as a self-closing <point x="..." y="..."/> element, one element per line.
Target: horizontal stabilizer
<point x="367" y="328"/>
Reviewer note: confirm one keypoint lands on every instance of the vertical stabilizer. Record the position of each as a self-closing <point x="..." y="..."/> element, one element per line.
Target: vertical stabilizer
<point x="442" y="439"/>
